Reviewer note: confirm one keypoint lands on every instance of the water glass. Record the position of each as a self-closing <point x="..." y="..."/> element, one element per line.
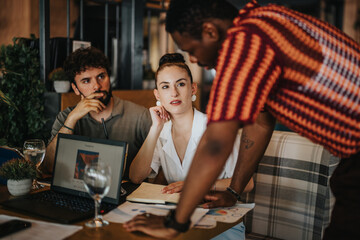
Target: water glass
<point x="34" y="151"/>
<point x="97" y="176"/>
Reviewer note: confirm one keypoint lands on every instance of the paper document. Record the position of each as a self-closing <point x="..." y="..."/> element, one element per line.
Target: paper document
<point x="206" y="223"/>
<point x="227" y="215"/>
<point x="151" y="193"/>
<point x="41" y="230"/>
<point x="128" y="210"/>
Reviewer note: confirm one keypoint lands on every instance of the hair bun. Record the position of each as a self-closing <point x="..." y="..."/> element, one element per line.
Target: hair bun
<point x="171" y="58"/>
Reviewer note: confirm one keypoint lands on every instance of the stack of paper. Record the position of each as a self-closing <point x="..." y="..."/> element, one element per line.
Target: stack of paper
<point x="128" y="210"/>
<point x="151" y="193"/>
<point x="225" y="214"/>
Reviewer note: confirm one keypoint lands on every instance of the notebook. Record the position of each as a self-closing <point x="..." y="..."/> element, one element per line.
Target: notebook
<point x="67" y="201"/>
<point x="151" y="193"/>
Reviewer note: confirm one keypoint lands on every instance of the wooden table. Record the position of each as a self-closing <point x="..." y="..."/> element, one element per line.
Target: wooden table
<point x="116" y="230"/>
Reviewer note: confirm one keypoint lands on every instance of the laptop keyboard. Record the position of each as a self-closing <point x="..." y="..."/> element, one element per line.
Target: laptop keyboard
<point x="74" y="203"/>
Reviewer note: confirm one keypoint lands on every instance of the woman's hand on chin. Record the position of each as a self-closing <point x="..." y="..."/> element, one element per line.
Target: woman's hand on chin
<point x="174" y="187"/>
<point x="159" y="116"/>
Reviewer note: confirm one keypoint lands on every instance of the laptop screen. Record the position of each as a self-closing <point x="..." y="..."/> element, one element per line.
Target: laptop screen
<point x="72" y="154"/>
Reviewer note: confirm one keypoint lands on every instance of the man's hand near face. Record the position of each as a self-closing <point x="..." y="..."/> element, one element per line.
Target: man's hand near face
<point x="87" y="104"/>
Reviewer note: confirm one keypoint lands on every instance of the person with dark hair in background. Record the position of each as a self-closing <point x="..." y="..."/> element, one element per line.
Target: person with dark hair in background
<point x="88" y="71"/>
<point x="175" y="133"/>
<point x="271" y="62"/>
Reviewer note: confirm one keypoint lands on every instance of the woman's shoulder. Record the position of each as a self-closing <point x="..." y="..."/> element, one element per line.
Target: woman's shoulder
<point x="199" y="123"/>
<point x="200" y="117"/>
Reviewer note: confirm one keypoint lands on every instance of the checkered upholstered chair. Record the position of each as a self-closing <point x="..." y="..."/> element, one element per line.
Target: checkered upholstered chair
<point x="292" y="193"/>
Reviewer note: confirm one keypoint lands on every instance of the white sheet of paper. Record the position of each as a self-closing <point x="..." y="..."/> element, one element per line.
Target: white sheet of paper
<point x="128" y="210"/>
<point x="206" y="223"/>
<point x="227" y="215"/>
<point x="40" y="230"/>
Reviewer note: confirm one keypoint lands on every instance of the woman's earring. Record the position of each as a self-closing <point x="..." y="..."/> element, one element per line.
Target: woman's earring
<point x="158" y="103"/>
<point x="193" y="98"/>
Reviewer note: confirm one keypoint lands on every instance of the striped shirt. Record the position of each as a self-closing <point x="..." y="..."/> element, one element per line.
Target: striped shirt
<point x="304" y="71"/>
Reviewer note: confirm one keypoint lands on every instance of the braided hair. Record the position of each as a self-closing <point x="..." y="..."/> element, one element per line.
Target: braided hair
<point x="173" y="59"/>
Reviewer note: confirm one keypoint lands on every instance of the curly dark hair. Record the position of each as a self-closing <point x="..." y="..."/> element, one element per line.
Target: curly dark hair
<point x="189" y="15"/>
<point x="173" y="59"/>
<point x="83" y="59"/>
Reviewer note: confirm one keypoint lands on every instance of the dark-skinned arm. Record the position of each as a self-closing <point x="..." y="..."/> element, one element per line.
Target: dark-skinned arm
<point x="254" y="140"/>
<point x="213" y="150"/>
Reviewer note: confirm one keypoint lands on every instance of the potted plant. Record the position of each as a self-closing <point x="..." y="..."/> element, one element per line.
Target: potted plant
<point x="61" y="82"/>
<point x="4" y="99"/>
<point x="20" y="174"/>
<point x="22" y="94"/>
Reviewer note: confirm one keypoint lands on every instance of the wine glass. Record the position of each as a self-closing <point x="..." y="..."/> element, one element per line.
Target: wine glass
<point x="34" y="151"/>
<point x="97" y="183"/>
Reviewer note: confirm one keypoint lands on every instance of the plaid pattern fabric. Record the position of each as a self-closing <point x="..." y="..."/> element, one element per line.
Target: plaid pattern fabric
<point x="255" y="236"/>
<point x="292" y="193"/>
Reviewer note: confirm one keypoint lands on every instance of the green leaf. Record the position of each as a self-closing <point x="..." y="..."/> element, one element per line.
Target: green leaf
<point x="21" y="95"/>
<point x="7" y="100"/>
<point x="17" y="169"/>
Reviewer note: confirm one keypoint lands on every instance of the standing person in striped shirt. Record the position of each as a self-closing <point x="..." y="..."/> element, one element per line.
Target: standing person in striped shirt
<point x="301" y="71"/>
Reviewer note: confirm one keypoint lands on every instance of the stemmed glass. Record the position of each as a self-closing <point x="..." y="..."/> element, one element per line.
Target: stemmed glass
<point x="34" y="151"/>
<point x="97" y="177"/>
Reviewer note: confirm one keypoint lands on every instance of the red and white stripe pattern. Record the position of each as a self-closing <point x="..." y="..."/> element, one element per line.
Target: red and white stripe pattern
<point x="305" y="71"/>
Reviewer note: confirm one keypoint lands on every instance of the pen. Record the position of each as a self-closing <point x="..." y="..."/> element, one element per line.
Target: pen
<point x="105" y="131"/>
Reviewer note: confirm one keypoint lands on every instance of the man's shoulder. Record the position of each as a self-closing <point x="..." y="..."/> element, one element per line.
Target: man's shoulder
<point x="134" y="114"/>
<point x="129" y="107"/>
<point x="134" y="105"/>
<point x="128" y="104"/>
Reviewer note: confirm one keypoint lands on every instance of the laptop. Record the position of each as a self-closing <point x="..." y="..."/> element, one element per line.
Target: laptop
<point x="67" y="201"/>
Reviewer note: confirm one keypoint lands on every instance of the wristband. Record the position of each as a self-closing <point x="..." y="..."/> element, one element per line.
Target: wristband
<point x="68" y="128"/>
<point x="233" y="192"/>
<point x="170" y="222"/>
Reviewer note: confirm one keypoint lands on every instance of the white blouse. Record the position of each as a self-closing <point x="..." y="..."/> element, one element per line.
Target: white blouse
<point x="166" y="156"/>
